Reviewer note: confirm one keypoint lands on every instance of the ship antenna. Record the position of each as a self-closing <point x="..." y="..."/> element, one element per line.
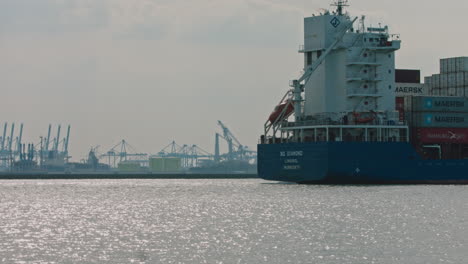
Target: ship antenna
<point x="340" y="4"/>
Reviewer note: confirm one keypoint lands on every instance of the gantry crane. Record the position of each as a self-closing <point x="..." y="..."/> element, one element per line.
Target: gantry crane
<point x="120" y="153"/>
<point x="189" y="154"/>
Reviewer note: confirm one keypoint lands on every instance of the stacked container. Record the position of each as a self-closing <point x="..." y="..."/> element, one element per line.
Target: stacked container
<point x="466" y="83"/>
<point x="441" y="118"/>
<point x="452" y="79"/>
<point x="437" y="120"/>
<point x="400" y="107"/>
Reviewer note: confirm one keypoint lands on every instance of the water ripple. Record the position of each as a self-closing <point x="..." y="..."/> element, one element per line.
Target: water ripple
<point x="229" y="221"/>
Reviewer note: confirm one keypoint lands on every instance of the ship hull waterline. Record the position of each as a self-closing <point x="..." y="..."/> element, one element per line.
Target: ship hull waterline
<point x="355" y="163"/>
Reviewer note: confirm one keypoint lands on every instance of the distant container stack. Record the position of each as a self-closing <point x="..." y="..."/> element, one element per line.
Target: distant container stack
<point x="130" y="166"/>
<point x="165" y="164"/>
<point x="452" y="79"/>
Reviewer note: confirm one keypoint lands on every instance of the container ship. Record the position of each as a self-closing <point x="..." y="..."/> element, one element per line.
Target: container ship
<point x="353" y="118"/>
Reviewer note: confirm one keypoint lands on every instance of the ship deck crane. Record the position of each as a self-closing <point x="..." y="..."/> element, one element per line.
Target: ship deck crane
<point x="294" y="95"/>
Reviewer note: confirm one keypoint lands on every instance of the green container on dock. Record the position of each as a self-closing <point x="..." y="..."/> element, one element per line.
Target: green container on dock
<point x="172" y="164"/>
<point x="165" y="164"/>
<point x="130" y="167"/>
<point x="156" y="164"/>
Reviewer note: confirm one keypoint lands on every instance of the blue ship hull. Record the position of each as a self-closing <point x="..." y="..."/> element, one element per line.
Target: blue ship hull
<point x="355" y="163"/>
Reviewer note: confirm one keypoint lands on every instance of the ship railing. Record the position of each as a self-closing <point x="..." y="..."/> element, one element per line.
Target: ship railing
<point x="352" y="139"/>
<point x="328" y="122"/>
<point x="323" y="139"/>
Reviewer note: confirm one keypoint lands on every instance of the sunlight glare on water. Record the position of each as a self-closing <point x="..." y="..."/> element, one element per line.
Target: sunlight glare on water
<point x="229" y="221"/>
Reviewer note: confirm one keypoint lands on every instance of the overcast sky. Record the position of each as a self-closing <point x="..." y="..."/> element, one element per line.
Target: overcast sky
<point x="153" y="71"/>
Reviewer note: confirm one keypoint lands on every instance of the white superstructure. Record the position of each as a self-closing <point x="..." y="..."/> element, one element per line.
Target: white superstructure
<point x="357" y="76"/>
<point x="347" y="89"/>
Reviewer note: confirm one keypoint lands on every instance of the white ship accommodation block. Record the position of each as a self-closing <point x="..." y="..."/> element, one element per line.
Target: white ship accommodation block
<point x="358" y="76"/>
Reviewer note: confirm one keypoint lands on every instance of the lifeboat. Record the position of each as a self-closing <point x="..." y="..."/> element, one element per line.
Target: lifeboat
<point x="359" y="118"/>
<point x="279" y="109"/>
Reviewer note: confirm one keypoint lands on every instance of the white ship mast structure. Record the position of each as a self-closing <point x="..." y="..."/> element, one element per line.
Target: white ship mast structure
<point x="346" y="92"/>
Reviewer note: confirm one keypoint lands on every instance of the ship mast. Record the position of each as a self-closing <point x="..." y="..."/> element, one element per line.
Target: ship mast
<point x="340" y="4"/>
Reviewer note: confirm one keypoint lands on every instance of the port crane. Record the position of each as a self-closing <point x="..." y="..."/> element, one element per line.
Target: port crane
<point x="189" y="154"/>
<point x="120" y="153"/>
<point x="10" y="146"/>
<point x="236" y="151"/>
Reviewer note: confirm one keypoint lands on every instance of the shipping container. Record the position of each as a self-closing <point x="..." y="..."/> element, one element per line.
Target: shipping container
<point x="439" y="119"/>
<point x="156" y="164"/>
<point x="442" y="135"/>
<point x="452" y="62"/>
<point x="400" y="107"/>
<point x="435" y="81"/>
<point x="461" y="64"/>
<point x="443" y="66"/>
<point x="452" y="91"/>
<point x="163" y="164"/>
<point x="411" y="89"/>
<point x="464" y="67"/>
<point x="451" y="65"/>
<point x="452" y="80"/>
<point x="428" y="80"/>
<point x="444" y="80"/>
<point x="443" y="92"/>
<point x="129" y="167"/>
<point x="399" y="103"/>
<point x="460" y="79"/>
<point x="407" y="76"/>
<point x="436" y="104"/>
<point x="172" y="164"/>
<point x="408" y="103"/>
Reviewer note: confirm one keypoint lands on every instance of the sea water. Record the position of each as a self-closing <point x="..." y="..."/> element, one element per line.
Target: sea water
<point x="230" y="221"/>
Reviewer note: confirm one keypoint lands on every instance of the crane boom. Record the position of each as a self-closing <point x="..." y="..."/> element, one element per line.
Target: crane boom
<point x="47" y="143"/>
<point x="57" y="139"/>
<point x="10" y="141"/>
<point x="228" y="134"/>
<point x="4" y="136"/>
<point x="20" y="138"/>
<point x="67" y="139"/>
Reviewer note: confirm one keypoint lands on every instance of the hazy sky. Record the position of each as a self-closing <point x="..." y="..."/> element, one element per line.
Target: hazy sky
<point x="151" y="71"/>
